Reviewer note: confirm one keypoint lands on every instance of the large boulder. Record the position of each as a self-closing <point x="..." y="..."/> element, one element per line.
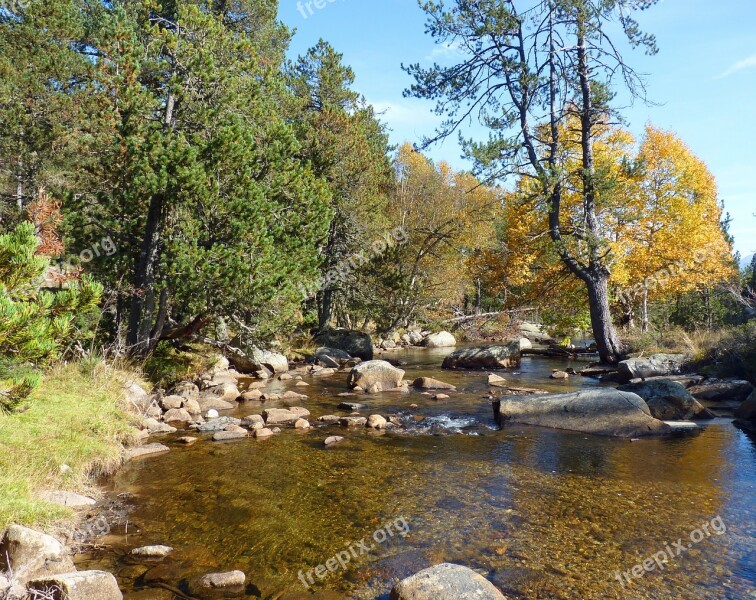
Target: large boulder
<point x="446" y="582"/>
<point x="652" y="366"/>
<point x="599" y="411"/>
<point x="356" y="343"/>
<point x="30" y="554"/>
<point x="484" y="357"/>
<point x="443" y="339"/>
<point x="81" y="585"/>
<point x="375" y="375"/>
<point x="332" y="357"/>
<point x="669" y="400"/>
<point x="534" y="333"/>
<point x="722" y="390"/>
<point x="258" y="361"/>
<point x="746" y="412"/>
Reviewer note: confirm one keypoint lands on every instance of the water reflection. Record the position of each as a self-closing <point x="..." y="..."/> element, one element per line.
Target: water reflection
<point x="543" y="514"/>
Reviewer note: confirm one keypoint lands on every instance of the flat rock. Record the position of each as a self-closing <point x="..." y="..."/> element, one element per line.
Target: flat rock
<point x="446" y="582"/>
<point x="225" y="436"/>
<point x="429" y="383"/>
<point x="496" y="380"/>
<point x="600" y="411"/>
<point x="152" y="551"/>
<point x="218" y="424"/>
<point x="652" y="366"/>
<point x="279" y="416"/>
<point x="80" y="585"/>
<point x="351" y="406"/>
<point x="146" y="450"/>
<point x="722" y="390"/>
<point x="329" y="419"/>
<point x="223" y="580"/>
<point x="67" y="498"/>
<point x="495" y="356"/>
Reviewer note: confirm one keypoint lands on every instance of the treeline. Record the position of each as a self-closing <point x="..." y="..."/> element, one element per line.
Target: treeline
<point x="174" y="174"/>
<point x="208" y="184"/>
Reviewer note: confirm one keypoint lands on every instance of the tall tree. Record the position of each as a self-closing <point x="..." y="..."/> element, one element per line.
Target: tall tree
<point x="198" y="180"/>
<point x="347" y="146"/>
<point x="527" y="69"/>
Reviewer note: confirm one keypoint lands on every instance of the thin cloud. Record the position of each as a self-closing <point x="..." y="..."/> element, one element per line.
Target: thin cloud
<point x="747" y="63"/>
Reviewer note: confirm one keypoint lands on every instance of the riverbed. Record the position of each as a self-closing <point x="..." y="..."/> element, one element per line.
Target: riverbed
<point x="541" y="513"/>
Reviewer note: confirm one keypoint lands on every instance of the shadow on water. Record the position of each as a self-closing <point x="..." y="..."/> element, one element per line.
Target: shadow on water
<point x="543" y="514"/>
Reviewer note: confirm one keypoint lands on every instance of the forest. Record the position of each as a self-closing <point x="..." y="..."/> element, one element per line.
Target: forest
<point x="176" y="185"/>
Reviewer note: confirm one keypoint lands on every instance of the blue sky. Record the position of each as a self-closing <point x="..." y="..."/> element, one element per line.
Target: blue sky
<point x="703" y="81"/>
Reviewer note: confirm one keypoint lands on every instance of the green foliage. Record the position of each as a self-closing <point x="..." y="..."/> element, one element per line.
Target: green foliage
<point x="35" y="325"/>
<point x="168" y="365"/>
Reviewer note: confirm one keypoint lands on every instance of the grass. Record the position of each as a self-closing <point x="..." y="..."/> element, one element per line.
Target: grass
<point x="77" y="417"/>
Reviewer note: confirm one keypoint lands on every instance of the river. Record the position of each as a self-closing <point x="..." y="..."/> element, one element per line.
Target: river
<point x="541" y="513"/>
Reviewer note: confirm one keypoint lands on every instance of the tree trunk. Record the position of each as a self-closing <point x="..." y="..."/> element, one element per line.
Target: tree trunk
<point x="644" y="310"/>
<point x="601" y="319"/>
<point x="325" y="309"/>
<point x="143" y="296"/>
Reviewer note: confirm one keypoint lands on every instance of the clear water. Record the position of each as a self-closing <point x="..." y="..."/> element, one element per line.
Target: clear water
<point x="542" y="514"/>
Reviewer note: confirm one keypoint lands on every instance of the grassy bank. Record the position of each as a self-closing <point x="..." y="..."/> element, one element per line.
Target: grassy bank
<point x="76" y="417"/>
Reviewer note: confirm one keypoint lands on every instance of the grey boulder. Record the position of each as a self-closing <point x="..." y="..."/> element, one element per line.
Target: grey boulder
<point x="652" y="366"/>
<point x="497" y="356"/>
<point x="603" y="412"/>
<point x="446" y="582"/>
<point x="669" y="400"/>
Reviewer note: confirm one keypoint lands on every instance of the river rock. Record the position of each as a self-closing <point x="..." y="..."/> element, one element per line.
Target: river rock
<point x="65" y="498"/>
<point x="652" y="366"/>
<point x="525" y="344"/>
<point x="226" y="391"/>
<point x="332" y="357"/>
<point x="223" y="580"/>
<point x="355" y="343"/>
<point x="253" y="422"/>
<point x="137" y="396"/>
<point x="154" y="426"/>
<point x="442" y="339"/>
<point x="353" y="421"/>
<point x="263" y="363"/>
<point x="598" y="411"/>
<point x="187" y="440"/>
<point x="428" y="383"/>
<point x="560" y="375"/>
<point x="484" y="357"/>
<point x="177" y="415"/>
<point x="329" y="419"/>
<point x="351" y="406"/>
<point x="263" y="433"/>
<point x="146" y="450"/>
<point x="668" y="400"/>
<point x="496" y="380"/>
<point x="152" y="551"/>
<point x="169" y="402"/>
<point x="302" y="424"/>
<point x="334" y="439"/>
<point x="185" y="389"/>
<point x="746" y="412"/>
<point x="252" y="395"/>
<point x="375" y="375"/>
<point x="722" y="390"/>
<point x="280" y="416"/>
<point x="534" y="333"/>
<point x="273" y="361"/>
<point x="446" y="582"/>
<point x="30" y="554"/>
<point x="218" y="424"/>
<point x="81" y="585"/>
<point x="225" y="436"/>
<point x="376" y="422"/>
<point x="440" y="397"/>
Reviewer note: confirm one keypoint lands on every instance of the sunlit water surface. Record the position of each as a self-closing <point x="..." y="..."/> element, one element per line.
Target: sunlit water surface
<point x="542" y="514"/>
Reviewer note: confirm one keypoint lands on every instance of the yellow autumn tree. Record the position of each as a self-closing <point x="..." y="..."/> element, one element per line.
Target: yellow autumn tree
<point x="675" y="242"/>
<point x="659" y="222"/>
